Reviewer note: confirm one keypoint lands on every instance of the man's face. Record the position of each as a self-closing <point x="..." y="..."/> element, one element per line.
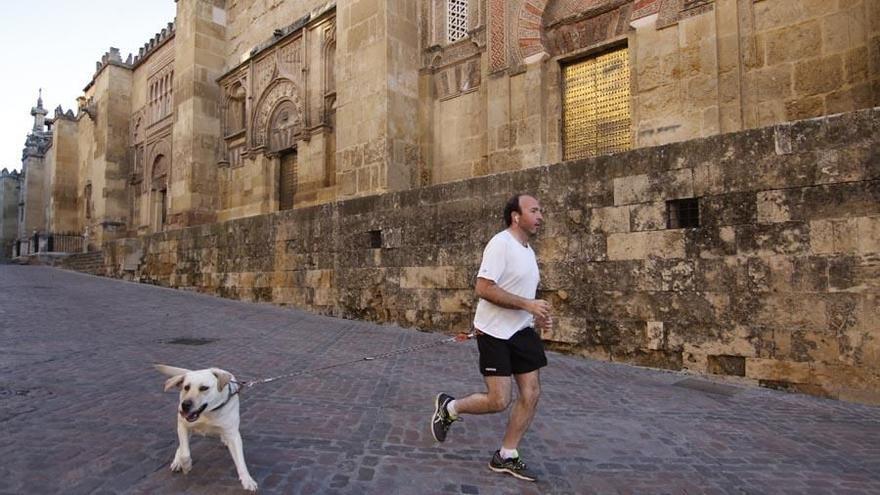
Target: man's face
<point x="531" y="218"/>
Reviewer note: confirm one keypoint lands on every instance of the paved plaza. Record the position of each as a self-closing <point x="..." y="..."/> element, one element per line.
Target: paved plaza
<point x="82" y="411"/>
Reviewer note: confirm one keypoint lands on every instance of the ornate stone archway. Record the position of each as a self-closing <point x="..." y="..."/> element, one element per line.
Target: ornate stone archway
<point x="280" y="105"/>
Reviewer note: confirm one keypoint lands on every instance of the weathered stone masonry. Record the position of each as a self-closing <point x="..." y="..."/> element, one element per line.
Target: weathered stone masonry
<point x="779" y="283"/>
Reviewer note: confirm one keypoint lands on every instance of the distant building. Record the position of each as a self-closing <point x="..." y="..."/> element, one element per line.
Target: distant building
<point x="10" y="189"/>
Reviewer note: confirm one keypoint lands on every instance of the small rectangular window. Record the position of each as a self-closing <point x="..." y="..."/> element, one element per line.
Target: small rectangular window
<point x="375" y="239"/>
<point x="456" y="20"/>
<point x="683" y="213"/>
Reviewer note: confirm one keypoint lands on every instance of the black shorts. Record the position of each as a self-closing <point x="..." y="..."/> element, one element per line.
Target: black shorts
<point x="522" y="353"/>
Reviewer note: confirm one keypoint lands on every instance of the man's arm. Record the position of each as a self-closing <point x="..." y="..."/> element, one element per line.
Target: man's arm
<point x="488" y="290"/>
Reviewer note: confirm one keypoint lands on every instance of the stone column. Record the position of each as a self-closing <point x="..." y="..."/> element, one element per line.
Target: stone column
<point x="377" y="99"/>
<point x="198" y="61"/>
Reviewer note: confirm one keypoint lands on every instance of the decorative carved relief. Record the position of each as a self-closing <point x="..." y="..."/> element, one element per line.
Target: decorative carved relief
<point x="264" y="72"/>
<point x="282" y="91"/>
<point x="458" y="79"/>
<point x="672" y="11"/>
<point x="290" y="58"/>
<point x="644" y="8"/>
<point x="566" y="31"/>
<point x="264" y="106"/>
<point x="283" y="126"/>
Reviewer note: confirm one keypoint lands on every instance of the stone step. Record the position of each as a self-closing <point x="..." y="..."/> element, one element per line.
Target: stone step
<point x="92" y="262"/>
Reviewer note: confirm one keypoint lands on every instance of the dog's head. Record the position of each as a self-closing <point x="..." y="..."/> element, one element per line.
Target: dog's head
<point x="199" y="389"/>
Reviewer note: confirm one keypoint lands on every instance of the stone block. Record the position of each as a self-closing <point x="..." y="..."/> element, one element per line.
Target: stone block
<point x="773" y="15"/>
<point x="804" y="107"/>
<point x="818" y="75"/>
<point x="655" y="335"/>
<point x="793" y="42"/>
<point x="772" y="207"/>
<point x="775" y="238"/>
<point x="849" y="99"/>
<point x="702" y="91"/>
<point x="773" y="82"/>
<point x="868" y="231"/>
<point x="773" y="369"/>
<point x="843" y="30"/>
<point x="425" y="277"/>
<point x="610" y="219"/>
<point x="632" y="189"/>
<point x="855" y="64"/>
<point x="648" y="216"/>
<point x="565" y="330"/>
<point x="641" y="245"/>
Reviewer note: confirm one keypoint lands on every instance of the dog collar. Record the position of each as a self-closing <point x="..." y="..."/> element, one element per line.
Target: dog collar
<point x="233" y="389"/>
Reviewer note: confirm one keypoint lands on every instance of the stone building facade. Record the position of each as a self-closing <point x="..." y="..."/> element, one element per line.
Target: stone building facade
<point x="10" y="192"/>
<point x="247" y="109"/>
<point x="244" y="108"/>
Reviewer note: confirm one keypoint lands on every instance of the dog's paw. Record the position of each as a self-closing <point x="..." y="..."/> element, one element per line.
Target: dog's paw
<point x="249" y="484"/>
<point x="181" y="464"/>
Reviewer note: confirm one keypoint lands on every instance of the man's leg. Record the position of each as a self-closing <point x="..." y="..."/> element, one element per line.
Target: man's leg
<point x="447" y="409"/>
<point x="496" y="398"/>
<point x="524" y="408"/>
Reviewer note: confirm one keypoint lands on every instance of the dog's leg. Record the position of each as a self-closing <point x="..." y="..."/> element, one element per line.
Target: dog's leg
<point x="233" y="441"/>
<point x="182" y="460"/>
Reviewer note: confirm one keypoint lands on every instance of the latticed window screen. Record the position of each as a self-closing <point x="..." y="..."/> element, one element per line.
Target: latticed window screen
<point x="287" y="181"/>
<point x="456" y="20"/>
<point x="596" y="107"/>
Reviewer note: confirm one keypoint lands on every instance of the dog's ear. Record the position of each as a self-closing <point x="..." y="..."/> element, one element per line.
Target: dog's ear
<point x="223" y="378"/>
<point x="175" y="373"/>
<point x="170" y="370"/>
<point x="173" y="382"/>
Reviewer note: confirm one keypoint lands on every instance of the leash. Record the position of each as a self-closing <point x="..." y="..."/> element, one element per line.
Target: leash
<point x="458" y="338"/>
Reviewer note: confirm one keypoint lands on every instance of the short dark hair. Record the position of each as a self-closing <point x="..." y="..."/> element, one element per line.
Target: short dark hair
<point x="511" y="206"/>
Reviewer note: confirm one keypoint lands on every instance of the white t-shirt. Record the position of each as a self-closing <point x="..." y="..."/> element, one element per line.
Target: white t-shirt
<point x="513" y="268"/>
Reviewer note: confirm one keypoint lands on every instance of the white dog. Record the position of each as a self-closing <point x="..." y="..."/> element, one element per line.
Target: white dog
<point x="209" y="406"/>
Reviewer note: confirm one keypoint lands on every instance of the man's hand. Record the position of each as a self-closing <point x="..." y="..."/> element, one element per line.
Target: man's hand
<point x="539" y="308"/>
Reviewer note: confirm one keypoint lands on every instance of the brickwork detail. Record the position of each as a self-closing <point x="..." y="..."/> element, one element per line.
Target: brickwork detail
<point x="497" y="35"/>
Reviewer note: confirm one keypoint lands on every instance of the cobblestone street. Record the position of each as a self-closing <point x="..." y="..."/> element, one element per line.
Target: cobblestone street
<point x="82" y="410"/>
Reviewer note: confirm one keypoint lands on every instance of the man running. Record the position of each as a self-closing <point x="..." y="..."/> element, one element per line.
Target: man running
<point x="509" y="346"/>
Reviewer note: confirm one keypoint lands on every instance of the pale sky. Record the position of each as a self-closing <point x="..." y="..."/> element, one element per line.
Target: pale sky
<point x="54" y="44"/>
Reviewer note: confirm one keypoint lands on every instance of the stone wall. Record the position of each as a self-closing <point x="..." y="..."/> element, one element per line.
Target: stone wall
<point x="778" y="284"/>
<point x="62" y="207"/>
<point x="10" y="184"/>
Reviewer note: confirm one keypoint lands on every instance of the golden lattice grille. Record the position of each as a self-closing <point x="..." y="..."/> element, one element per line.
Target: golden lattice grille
<point x="596" y="108"/>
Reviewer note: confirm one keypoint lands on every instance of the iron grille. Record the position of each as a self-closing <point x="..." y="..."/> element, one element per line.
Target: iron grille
<point x="596" y="106"/>
<point x="683" y="213"/>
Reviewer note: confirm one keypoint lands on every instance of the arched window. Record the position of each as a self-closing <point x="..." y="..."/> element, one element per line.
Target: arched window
<point x="235" y="110"/>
